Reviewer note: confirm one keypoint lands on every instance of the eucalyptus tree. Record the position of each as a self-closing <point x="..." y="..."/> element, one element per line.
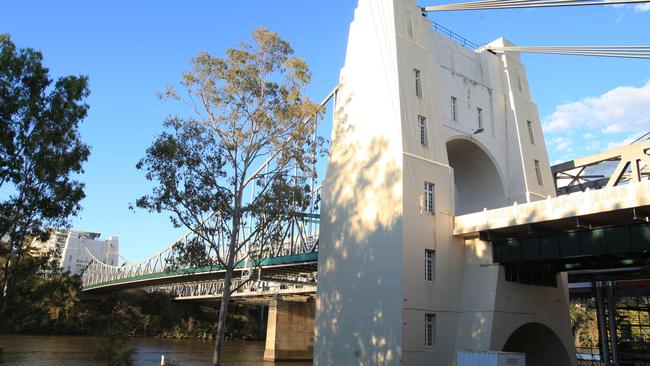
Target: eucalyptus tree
<point x="250" y="127"/>
<point x="40" y="153"/>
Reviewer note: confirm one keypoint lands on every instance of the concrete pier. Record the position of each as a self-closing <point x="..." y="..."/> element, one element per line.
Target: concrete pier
<point x="290" y="330"/>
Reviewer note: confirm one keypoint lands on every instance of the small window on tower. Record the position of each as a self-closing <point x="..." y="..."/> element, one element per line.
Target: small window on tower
<point x="454" y="109"/>
<point x="429" y="330"/>
<point x="530" y="132"/>
<point x="422" y="122"/>
<point x="538" y="172"/>
<point x="479" y="116"/>
<point x="409" y="24"/>
<point x="429" y="198"/>
<point x="429" y="265"/>
<point x="418" y="83"/>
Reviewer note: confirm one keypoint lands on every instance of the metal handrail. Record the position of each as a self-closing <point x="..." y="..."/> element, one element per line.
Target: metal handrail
<point x="454" y="36"/>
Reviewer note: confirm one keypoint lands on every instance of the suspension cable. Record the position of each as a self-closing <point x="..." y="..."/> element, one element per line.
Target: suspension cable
<point x="636" y="52"/>
<point x="514" y="4"/>
<point x="645" y="135"/>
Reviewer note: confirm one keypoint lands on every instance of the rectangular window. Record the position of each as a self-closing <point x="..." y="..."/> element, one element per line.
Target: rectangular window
<point x="422" y="122"/>
<point x="70" y="257"/>
<point x="530" y="132"/>
<point x="418" y="83"/>
<point x="454" y="109"/>
<point x="429" y="265"/>
<point x="429" y="330"/>
<point x="409" y="24"/>
<point x="519" y="82"/>
<point x="479" y="116"/>
<point x="429" y="198"/>
<point x="538" y="172"/>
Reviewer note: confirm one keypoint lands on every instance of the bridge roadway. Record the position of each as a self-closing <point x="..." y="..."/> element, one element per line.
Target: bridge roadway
<point x="623" y="208"/>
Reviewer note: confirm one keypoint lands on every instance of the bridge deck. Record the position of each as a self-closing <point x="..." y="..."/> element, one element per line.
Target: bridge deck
<point x="611" y="206"/>
<point x="271" y="267"/>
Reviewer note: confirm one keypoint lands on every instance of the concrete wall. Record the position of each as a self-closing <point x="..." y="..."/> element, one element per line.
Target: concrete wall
<point x="360" y="264"/>
<point x="372" y="292"/>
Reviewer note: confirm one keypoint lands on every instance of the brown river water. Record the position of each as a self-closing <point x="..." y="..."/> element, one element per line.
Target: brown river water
<point x="79" y="351"/>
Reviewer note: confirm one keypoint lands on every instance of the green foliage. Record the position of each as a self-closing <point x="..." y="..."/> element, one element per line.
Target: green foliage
<point x="44" y="300"/>
<point x="171" y="362"/>
<point x="584" y="324"/>
<point x="49" y="302"/>
<point x="40" y="150"/>
<point x="248" y="107"/>
<point x="112" y="351"/>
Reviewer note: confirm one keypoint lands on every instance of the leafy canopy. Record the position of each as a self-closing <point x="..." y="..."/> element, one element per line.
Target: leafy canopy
<point x="40" y="151"/>
<point x="248" y="107"/>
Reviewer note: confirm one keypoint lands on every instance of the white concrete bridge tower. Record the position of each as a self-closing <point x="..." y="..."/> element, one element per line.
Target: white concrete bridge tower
<point x="426" y="129"/>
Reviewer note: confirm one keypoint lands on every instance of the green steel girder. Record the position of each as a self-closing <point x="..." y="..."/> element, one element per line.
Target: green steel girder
<point x="625" y="240"/>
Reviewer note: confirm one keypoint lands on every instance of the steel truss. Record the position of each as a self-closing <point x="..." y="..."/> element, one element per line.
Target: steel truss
<point x="299" y="235"/>
<point x="257" y="289"/>
<point x="606" y="169"/>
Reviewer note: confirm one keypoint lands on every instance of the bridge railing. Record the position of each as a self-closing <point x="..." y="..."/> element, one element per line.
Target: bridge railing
<point x="300" y="237"/>
<point x="454" y="36"/>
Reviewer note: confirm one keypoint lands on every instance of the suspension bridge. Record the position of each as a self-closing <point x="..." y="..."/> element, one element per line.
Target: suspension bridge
<point x="434" y="216"/>
<point x="621" y="197"/>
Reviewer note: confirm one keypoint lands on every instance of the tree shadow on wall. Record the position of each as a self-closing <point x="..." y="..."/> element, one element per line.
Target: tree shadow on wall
<point x="360" y="258"/>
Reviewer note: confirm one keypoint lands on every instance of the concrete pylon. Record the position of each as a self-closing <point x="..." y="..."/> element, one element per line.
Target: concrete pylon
<point x="426" y="129"/>
<point x="290" y="331"/>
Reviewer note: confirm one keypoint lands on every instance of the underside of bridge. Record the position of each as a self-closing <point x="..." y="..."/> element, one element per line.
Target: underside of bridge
<point x="606" y="256"/>
<point x="617" y="239"/>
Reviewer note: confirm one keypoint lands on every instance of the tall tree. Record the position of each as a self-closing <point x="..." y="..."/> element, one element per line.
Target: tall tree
<point x="40" y="151"/>
<point x="248" y="107"/>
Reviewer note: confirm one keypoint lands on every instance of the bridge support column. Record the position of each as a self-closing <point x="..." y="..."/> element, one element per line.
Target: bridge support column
<point x="290" y="330"/>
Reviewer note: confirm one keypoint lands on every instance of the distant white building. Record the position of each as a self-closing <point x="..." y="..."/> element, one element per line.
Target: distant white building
<point x="75" y="246"/>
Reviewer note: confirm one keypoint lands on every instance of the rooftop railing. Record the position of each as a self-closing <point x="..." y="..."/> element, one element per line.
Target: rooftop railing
<point x="454" y="36"/>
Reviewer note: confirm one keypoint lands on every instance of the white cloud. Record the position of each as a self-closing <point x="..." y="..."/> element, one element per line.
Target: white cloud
<point x="621" y="110"/>
<point x="628" y="140"/>
<point x="561" y="144"/>
<point x="637" y="8"/>
<point x="642" y="7"/>
<point x="614" y="144"/>
<point x="619" y="18"/>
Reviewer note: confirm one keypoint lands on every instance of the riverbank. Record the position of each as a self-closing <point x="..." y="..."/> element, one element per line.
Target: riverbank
<point x="24" y="350"/>
<point x="54" y="305"/>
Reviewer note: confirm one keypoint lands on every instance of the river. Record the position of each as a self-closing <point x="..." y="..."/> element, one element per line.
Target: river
<point x="79" y="351"/>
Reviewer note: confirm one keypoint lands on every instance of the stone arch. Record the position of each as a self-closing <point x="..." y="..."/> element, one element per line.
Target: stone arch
<point x="540" y="344"/>
<point x="478" y="182"/>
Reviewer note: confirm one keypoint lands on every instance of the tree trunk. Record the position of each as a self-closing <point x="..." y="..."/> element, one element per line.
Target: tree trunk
<point x="225" y="299"/>
<point x="5" y="291"/>
<point x="221" y="324"/>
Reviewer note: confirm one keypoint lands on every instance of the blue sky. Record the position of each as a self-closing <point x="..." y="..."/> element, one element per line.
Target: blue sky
<point x="132" y="49"/>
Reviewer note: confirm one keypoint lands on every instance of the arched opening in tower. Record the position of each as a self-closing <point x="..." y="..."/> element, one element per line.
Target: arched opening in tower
<point x="540" y="344"/>
<point x="476" y="178"/>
